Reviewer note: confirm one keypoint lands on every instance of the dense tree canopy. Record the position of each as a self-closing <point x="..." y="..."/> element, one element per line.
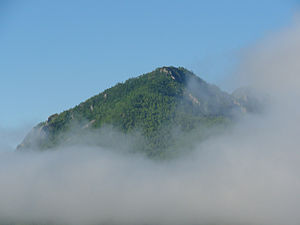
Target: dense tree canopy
<point x="161" y="106"/>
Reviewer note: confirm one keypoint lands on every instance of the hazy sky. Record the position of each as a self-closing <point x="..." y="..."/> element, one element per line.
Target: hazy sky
<point x="55" y="54"/>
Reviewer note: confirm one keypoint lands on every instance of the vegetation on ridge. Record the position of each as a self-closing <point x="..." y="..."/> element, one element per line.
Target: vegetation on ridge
<point x="161" y="106"/>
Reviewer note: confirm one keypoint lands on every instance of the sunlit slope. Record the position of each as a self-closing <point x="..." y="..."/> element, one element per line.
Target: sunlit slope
<point x="160" y="106"/>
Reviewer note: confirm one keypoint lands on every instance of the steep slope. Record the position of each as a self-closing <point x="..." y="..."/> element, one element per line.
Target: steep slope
<point x="154" y="105"/>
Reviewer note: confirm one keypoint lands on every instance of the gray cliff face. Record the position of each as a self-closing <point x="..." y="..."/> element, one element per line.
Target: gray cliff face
<point x="34" y="138"/>
<point x="249" y="100"/>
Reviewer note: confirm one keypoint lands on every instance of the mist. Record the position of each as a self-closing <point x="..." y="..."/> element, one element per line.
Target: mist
<point x="249" y="175"/>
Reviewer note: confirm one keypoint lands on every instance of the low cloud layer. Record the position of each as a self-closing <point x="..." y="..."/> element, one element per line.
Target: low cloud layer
<point x="250" y="175"/>
<point x="247" y="176"/>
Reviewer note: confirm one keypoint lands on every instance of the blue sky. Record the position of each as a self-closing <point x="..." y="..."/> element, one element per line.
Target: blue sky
<point x="55" y="54"/>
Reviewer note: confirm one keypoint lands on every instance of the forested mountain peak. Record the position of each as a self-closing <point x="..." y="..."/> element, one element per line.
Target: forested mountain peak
<point x="153" y="105"/>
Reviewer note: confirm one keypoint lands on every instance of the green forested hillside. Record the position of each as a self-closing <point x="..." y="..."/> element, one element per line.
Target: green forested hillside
<point x="161" y="107"/>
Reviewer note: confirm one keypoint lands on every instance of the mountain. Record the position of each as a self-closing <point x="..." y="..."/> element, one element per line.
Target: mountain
<point x="156" y="110"/>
